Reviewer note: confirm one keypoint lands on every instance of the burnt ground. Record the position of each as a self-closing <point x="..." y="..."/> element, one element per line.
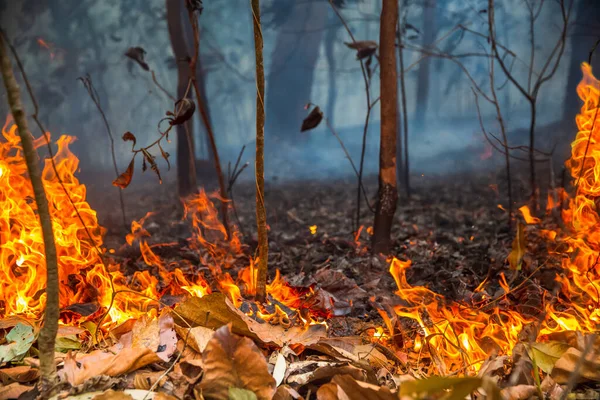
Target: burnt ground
<point x="451" y="229"/>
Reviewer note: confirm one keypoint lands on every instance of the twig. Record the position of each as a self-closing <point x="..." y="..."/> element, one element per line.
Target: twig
<point x="232" y="177"/>
<point x="89" y="86"/>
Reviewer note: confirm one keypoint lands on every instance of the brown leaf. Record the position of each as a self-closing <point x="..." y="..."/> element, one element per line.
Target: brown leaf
<point x="125" y="178"/>
<point x="364" y="48"/>
<point x="565" y="366"/>
<point x="235" y="361"/>
<point x="78" y="368"/>
<point x="313" y="119"/>
<point x="113" y="395"/>
<point x="128" y="136"/>
<point x="328" y="391"/>
<point x="284" y="392"/>
<point x="519" y="246"/>
<point x="13" y="391"/>
<point x="518" y="392"/>
<point x="356" y="390"/>
<point x="21" y="374"/>
<point x="137" y="54"/>
<point x="197" y="337"/>
<point x="184" y="110"/>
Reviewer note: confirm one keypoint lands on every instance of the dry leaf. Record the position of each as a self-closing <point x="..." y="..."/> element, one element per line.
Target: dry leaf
<point x="124" y="179"/>
<point x="197" y="338"/>
<point x="313" y="119"/>
<point x="279" y="369"/>
<point x="21" y="374"/>
<point x="284" y="392"/>
<point x="78" y="369"/>
<point x="355" y="390"/>
<point x="234" y="361"/>
<point x="137" y="54"/>
<point x="518" y="248"/>
<point x="564" y="367"/>
<point x="128" y="136"/>
<point x="328" y="391"/>
<point x="13" y="391"/>
<point x="184" y="109"/>
<point x="113" y="395"/>
<point x="546" y="354"/>
<point x="518" y="392"/>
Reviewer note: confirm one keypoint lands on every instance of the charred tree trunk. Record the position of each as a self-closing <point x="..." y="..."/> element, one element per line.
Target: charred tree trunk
<point x="47" y="337"/>
<point x="292" y="69"/>
<point x="186" y="168"/>
<point x="424" y="65"/>
<point x="388" y="192"/>
<point x="261" y="214"/>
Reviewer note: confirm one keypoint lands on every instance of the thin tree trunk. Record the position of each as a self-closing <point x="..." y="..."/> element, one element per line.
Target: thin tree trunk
<point x="186" y="166"/>
<point x="261" y="214"/>
<point x="406" y="169"/>
<point x="388" y="192"/>
<point x="47" y="337"/>
<point x="424" y="66"/>
<point x="330" y="39"/>
<point x="532" y="177"/>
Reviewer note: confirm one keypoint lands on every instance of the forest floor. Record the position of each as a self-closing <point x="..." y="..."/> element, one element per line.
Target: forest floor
<point x="451" y="229"/>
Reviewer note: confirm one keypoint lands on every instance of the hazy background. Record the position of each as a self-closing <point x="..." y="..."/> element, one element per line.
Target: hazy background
<point x="305" y="60"/>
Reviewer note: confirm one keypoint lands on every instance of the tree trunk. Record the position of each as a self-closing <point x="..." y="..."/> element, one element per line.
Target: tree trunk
<point x="186" y="182"/>
<point x="582" y="41"/>
<point x="261" y="214"/>
<point x="330" y="40"/>
<point x="47" y="337"/>
<point x="424" y="66"/>
<point x="388" y="192"/>
<point x="406" y="166"/>
<point x="293" y="68"/>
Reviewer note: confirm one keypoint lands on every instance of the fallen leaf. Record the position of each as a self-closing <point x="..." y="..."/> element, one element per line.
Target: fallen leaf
<point x="124" y="179"/>
<point x="284" y="392"/>
<point x="13" y="391"/>
<point x="546" y="354"/>
<point x="241" y="394"/>
<point x="515" y="257"/>
<point x="518" y="392"/>
<point x="457" y="388"/>
<point x="14" y="320"/>
<point x="313" y="119"/>
<point x="113" y="395"/>
<point x="279" y="369"/>
<point x="198" y="336"/>
<point x="234" y="361"/>
<point x="20" y="338"/>
<point x="356" y="390"/>
<point x="328" y="391"/>
<point x="566" y="364"/>
<point x="21" y="374"/>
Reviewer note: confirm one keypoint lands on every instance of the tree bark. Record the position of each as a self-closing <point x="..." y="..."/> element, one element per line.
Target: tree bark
<point x="186" y="168"/>
<point x="47" y="337"/>
<point x="388" y="192"/>
<point x="261" y="214"/>
<point x="424" y="65"/>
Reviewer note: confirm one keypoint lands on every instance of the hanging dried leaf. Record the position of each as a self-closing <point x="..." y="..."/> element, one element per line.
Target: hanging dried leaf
<point x="232" y="361"/>
<point x="184" y="109"/>
<point x="313" y="119"/>
<point x="165" y="155"/>
<point x="364" y="48"/>
<point x="153" y="166"/>
<point x="124" y="179"/>
<point x="519" y="246"/>
<point x="128" y="136"/>
<point x="137" y="54"/>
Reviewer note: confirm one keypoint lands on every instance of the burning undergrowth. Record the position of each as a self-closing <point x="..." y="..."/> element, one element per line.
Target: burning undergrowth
<point x="208" y="280"/>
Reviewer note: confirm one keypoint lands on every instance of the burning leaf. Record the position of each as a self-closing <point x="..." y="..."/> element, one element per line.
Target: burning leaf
<point x="184" y="109"/>
<point x="313" y="119"/>
<point x="128" y="136"/>
<point x="20" y="338"/>
<point x="567" y="363"/>
<point x="240" y="394"/>
<point x="125" y="178"/>
<point x="232" y="361"/>
<point x="547" y="354"/>
<point x="137" y="54"/>
<point x="519" y="246"/>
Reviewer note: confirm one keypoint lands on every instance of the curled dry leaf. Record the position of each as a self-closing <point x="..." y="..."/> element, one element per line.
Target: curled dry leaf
<point x="313" y="119"/>
<point x="124" y="179"/>
<point x="20" y="374"/>
<point x="184" y="110"/>
<point x="232" y="361"/>
<point x="567" y="364"/>
<point x="137" y="54"/>
<point x="129" y="137"/>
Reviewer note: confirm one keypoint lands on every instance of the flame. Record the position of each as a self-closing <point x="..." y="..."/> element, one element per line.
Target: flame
<point x="313" y="229"/>
<point x="529" y="219"/>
